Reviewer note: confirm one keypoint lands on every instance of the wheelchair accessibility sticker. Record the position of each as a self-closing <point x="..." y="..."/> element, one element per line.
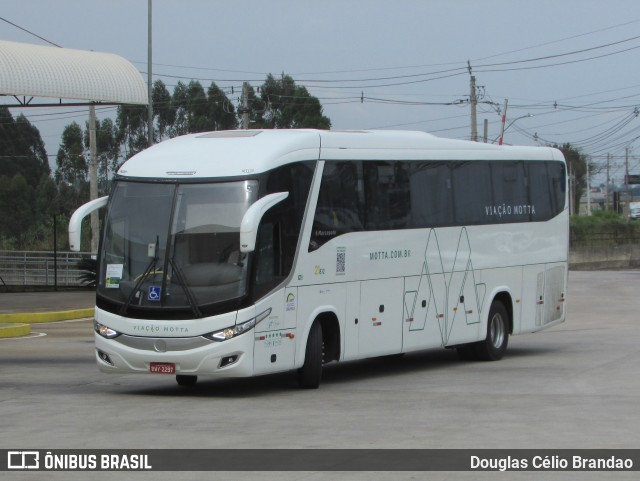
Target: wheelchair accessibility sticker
<point x="154" y="293"/>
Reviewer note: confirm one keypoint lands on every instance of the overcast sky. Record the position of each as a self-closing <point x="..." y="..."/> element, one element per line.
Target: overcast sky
<point x="573" y="65"/>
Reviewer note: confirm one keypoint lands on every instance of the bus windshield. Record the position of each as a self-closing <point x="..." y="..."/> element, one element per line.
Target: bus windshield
<point x="174" y="248"/>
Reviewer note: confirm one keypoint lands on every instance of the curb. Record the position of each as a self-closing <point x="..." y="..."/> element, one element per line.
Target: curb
<point x="19" y="324"/>
<point x="35" y="317"/>
<point x="14" y="330"/>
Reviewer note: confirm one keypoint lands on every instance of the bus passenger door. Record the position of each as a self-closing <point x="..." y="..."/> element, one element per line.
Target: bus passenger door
<point x="380" y="320"/>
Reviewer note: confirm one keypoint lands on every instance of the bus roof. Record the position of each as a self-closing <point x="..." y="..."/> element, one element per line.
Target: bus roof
<point x="235" y="153"/>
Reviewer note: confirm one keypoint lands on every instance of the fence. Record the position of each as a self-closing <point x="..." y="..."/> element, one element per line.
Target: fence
<point x="623" y="235"/>
<point x="41" y="268"/>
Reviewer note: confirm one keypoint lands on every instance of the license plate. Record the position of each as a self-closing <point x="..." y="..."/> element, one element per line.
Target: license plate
<point x="162" y="367"/>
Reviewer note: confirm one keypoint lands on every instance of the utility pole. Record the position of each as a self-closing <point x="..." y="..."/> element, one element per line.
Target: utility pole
<point x="93" y="177"/>
<point x="486" y="130"/>
<point x="504" y="119"/>
<point x="149" y="89"/>
<point x="245" y="105"/>
<point x="474" y="102"/>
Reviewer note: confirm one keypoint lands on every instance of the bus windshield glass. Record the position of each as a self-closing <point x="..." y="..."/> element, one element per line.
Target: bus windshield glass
<point x="174" y="248"/>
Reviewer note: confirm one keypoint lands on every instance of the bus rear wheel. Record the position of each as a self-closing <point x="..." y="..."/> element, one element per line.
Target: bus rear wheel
<point x="310" y="373"/>
<point x="495" y="344"/>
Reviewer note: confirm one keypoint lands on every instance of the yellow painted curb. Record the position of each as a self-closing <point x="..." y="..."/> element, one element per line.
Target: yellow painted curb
<point x="33" y="317"/>
<point x="15" y="330"/>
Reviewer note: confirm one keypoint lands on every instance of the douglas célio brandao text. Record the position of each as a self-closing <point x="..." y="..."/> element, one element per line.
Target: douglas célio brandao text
<point x="550" y="463"/>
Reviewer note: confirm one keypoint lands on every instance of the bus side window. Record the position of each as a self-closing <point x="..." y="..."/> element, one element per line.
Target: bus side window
<point x="338" y="207"/>
<point x="388" y="200"/>
<point x="545" y="188"/>
<point x="509" y="183"/>
<point x="268" y="269"/>
<point x="430" y="186"/>
<point x="472" y="192"/>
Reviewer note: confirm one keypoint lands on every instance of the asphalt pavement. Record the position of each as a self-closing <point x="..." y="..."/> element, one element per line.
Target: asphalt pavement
<point x="572" y="386"/>
<point x="26" y="302"/>
<point x="19" y="310"/>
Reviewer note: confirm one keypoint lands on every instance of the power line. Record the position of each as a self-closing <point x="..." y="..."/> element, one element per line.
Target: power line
<point x="30" y="32"/>
<point x="559" y="40"/>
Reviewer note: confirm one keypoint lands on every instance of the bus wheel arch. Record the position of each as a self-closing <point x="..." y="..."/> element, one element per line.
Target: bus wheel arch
<point x="505" y="298"/>
<point x="330" y="336"/>
<point x="323" y="345"/>
<point x="499" y="326"/>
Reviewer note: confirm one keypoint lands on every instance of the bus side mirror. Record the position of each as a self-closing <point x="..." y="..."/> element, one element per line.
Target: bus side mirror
<point x="251" y="219"/>
<point x="75" y="223"/>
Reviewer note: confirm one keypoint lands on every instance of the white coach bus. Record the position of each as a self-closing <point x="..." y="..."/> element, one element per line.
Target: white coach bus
<point x="239" y="253"/>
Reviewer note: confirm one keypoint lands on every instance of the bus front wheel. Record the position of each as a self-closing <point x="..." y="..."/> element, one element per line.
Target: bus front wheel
<point x="495" y="344"/>
<point x="311" y="371"/>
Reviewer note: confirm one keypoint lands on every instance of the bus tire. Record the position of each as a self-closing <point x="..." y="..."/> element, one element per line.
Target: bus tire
<point x="186" y="380"/>
<point x="495" y="344"/>
<point x="311" y="371"/>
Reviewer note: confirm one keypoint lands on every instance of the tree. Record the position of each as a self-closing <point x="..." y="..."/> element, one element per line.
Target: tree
<point x="107" y="151"/>
<point x="163" y="111"/>
<point x="46" y="206"/>
<point x="220" y="112"/>
<point x="132" y="121"/>
<point x="200" y="111"/>
<point x="197" y="108"/>
<point x="71" y="163"/>
<point x="22" y="148"/>
<point x="577" y="164"/>
<point x="131" y="129"/>
<point x="180" y="105"/>
<point x="17" y="206"/>
<point x="257" y="109"/>
<point x="26" y="188"/>
<point x="289" y="106"/>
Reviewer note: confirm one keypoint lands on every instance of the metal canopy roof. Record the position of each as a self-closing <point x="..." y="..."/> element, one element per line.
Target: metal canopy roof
<point x="62" y="73"/>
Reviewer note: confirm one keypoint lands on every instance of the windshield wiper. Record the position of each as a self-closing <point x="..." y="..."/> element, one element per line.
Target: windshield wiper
<point x="187" y="292"/>
<point x="150" y="268"/>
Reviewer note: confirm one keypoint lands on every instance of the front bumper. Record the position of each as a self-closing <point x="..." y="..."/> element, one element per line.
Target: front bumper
<point x="191" y="355"/>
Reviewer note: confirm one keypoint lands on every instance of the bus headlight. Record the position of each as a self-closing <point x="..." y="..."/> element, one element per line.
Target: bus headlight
<point x="233" y="331"/>
<point x="105" y="331"/>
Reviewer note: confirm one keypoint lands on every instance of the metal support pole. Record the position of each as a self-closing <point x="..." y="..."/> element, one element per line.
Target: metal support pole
<point x="93" y="178"/>
<point x="245" y="105"/>
<point x="606" y="187"/>
<point x="55" y="254"/>
<point x="588" y="190"/>
<point x="149" y="86"/>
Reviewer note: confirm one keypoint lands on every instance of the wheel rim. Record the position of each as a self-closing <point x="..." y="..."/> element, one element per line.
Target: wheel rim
<point x="497" y="331"/>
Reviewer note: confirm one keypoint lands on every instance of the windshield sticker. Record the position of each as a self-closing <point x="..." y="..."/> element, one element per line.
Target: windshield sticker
<point x="114" y="274"/>
<point x="154" y="293"/>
